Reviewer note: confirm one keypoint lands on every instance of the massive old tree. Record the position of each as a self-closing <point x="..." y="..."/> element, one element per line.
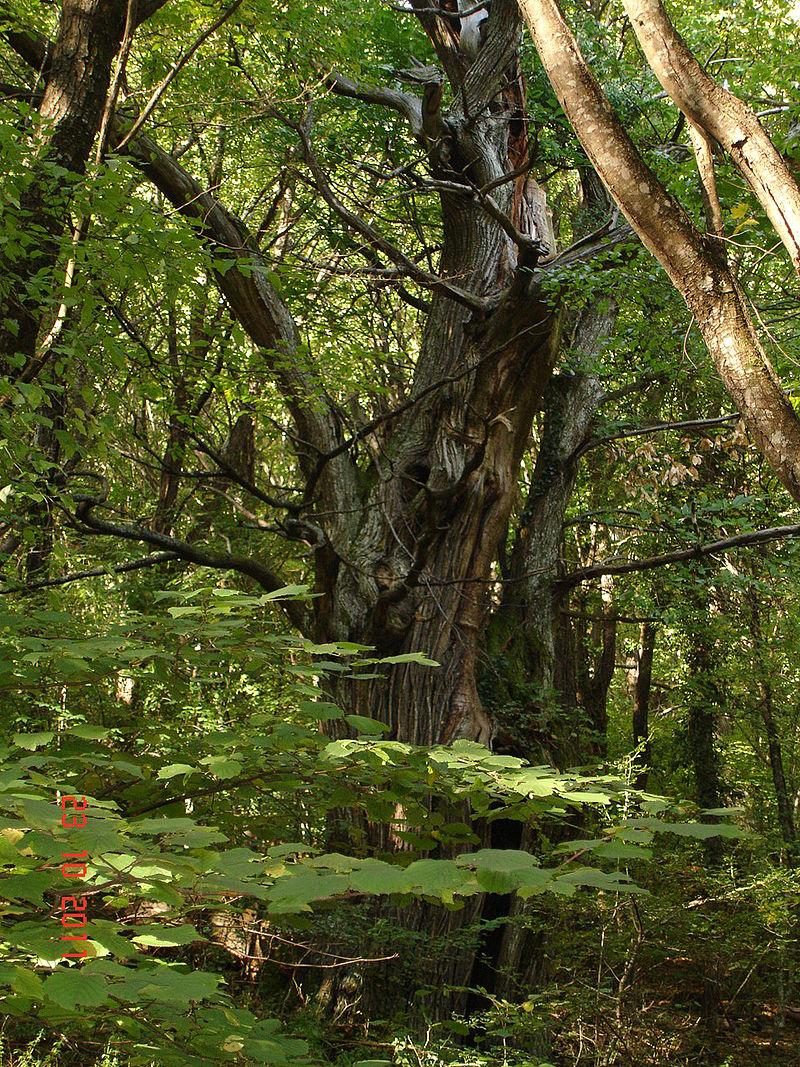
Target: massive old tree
<point x="409" y="451"/>
<point x="404" y="500"/>
<point x="405" y="510"/>
<point x="363" y="316"/>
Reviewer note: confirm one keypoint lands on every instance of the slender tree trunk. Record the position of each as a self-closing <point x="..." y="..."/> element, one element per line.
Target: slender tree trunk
<point x="596" y="659"/>
<point x="703" y="703"/>
<point x="782" y="799"/>
<point x="41" y="518"/>
<point x="722" y="116"/>
<point x="640" y="678"/>
<point x="695" y="263"/>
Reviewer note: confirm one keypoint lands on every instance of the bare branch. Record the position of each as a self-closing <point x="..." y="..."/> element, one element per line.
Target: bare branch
<point x="370" y="234"/>
<point x="236" y="476"/>
<point x="682" y="555"/>
<point x="173" y="72"/>
<point x="690" y="426"/>
<point x="404" y="103"/>
<point x="86" y="522"/>
<point x="154" y="560"/>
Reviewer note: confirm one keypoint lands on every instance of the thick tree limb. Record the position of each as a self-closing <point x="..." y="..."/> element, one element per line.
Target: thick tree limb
<point x="723" y="116"/>
<point x="694" y="267"/>
<point x="86" y="522"/>
<point x="405" y="104"/>
<point x="443" y="37"/>
<point x="372" y="236"/>
<point x="756" y="537"/>
<point x="490" y="69"/>
<point x="32" y="48"/>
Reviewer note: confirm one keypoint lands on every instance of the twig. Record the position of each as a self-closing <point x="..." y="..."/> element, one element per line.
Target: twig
<point x="173" y="72"/>
<point x="755" y="537"/>
<point x="96" y="572"/>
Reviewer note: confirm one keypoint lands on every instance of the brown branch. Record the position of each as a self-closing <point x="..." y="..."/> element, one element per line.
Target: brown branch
<point x="369" y="233"/>
<point x="235" y="476"/>
<point x="339" y="961"/>
<point x="95" y="572"/>
<point x="207" y="791"/>
<point x="404" y="103"/>
<point x="523" y="241"/>
<point x="173" y="72"/>
<point x="682" y="555"/>
<point x="657" y="427"/>
<point x="85" y="522"/>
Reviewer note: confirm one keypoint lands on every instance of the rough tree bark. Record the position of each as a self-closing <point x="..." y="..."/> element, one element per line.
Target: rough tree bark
<point x="530" y="672"/>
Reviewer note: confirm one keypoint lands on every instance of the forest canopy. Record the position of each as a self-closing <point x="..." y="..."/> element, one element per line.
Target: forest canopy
<point x="399" y="517"/>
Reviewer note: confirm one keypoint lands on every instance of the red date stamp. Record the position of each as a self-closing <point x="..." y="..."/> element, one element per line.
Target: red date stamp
<point x="74" y="865"/>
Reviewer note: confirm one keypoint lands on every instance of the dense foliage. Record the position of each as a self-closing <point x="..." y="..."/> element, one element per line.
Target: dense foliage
<point x="323" y="667"/>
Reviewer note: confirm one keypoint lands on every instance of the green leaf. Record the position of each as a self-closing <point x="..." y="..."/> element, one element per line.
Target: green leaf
<point x="365" y="725"/>
<point x="172" y="770"/>
<point x="88" y="733"/>
<point x="33" y="741"/>
<point x="166" y="936"/>
<point x="73" y="988"/>
<point x="288" y="592"/>
<point x="180" y="987"/>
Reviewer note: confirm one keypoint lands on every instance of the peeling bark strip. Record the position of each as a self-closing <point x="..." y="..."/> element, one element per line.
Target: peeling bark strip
<point x="722" y="116"/>
<point x="695" y="268"/>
